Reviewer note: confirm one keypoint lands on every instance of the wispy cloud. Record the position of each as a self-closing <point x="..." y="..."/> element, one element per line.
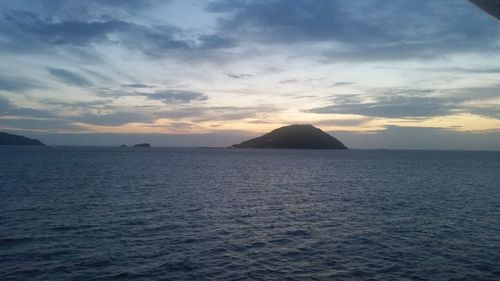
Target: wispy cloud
<point x="69" y="77"/>
<point x="239" y="75"/>
<point x="177" y="96"/>
<point x="15" y="84"/>
<point x="372" y="30"/>
<point x="9" y="109"/>
<point x="414" y="103"/>
<point x="30" y="31"/>
<point x="138" y="85"/>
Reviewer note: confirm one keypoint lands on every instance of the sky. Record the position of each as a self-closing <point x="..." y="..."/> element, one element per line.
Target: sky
<point x="399" y="74"/>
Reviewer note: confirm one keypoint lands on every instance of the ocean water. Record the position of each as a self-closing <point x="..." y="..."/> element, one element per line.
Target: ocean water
<point x="221" y="214"/>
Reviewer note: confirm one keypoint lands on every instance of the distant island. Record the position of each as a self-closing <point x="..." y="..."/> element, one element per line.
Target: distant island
<point x="294" y="137"/>
<point x="142" y="145"/>
<point x="9" y="139"/>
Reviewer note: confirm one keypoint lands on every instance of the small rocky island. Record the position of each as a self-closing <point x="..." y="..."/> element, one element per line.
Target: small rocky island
<point x="142" y="145"/>
<point x="294" y="137"/>
<point x="9" y="139"/>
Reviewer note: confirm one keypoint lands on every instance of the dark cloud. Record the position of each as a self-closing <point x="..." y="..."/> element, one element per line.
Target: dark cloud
<point x="52" y="124"/>
<point x="16" y="84"/>
<point x="214" y="41"/>
<point x="30" y="119"/>
<point x="339" y="84"/>
<point x="138" y="85"/>
<point x="291" y="21"/>
<point x="214" y="113"/>
<point x="34" y="32"/>
<point x="25" y="27"/>
<point x="8" y="109"/>
<point x="113" y="119"/>
<point x="158" y="41"/>
<point x="239" y="75"/>
<point x="83" y="10"/>
<point x="182" y="115"/>
<point x="391" y="107"/>
<point x="491" y="112"/>
<point x="471" y="70"/>
<point x="177" y="96"/>
<point x="368" y="30"/>
<point x="81" y="105"/>
<point x="300" y="80"/>
<point x="290" y="81"/>
<point x="69" y="77"/>
<point x="409" y="103"/>
<point x="372" y="30"/>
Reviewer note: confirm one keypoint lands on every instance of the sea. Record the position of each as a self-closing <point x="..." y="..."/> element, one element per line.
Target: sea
<point x="97" y="213"/>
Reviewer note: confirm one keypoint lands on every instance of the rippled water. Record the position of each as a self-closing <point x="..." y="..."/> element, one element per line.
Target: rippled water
<point x="222" y="214"/>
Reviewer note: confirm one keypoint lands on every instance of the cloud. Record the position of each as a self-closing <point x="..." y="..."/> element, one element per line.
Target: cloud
<point x="366" y="30"/>
<point x="114" y="118"/>
<point x="17" y="84"/>
<point x="69" y="77"/>
<point x="177" y="96"/>
<point x="28" y="27"/>
<point x="51" y="124"/>
<point x="138" y="85"/>
<point x="300" y="80"/>
<point x="391" y="107"/>
<point x="414" y="103"/>
<point x="216" y="113"/>
<point x="239" y="75"/>
<point x="90" y="9"/>
<point x="213" y="41"/>
<point x="476" y="70"/>
<point x="289" y="81"/>
<point x="344" y="122"/>
<point x="289" y="21"/>
<point x="185" y="115"/>
<point x="29" y="31"/>
<point x="8" y="109"/>
<point x="15" y="117"/>
<point x="340" y="84"/>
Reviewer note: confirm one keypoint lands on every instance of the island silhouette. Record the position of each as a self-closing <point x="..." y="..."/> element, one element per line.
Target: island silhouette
<point x="146" y="145"/>
<point x="287" y="137"/>
<point x="10" y="139"/>
<point x="294" y="137"/>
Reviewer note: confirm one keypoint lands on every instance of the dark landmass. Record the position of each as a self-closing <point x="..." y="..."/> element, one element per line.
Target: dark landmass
<point x="9" y="139"/>
<point x="294" y="137"/>
<point x="123" y="145"/>
<point x="142" y="145"/>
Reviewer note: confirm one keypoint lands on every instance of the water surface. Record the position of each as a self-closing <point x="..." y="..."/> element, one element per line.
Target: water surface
<point x="73" y="213"/>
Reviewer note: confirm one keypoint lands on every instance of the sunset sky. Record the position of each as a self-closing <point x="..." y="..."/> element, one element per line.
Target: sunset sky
<point x="374" y="73"/>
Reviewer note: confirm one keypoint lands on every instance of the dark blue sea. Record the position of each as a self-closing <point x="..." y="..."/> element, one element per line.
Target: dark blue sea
<point x="70" y="213"/>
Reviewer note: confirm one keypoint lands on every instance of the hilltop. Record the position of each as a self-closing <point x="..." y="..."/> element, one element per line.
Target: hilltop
<point x="294" y="137"/>
<point x="9" y="139"/>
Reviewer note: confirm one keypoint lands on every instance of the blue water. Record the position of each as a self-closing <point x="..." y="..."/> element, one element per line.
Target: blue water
<point x="223" y="214"/>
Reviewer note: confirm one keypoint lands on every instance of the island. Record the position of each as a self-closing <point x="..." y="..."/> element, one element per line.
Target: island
<point x="9" y="139"/>
<point x="142" y="145"/>
<point x="294" y="137"/>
